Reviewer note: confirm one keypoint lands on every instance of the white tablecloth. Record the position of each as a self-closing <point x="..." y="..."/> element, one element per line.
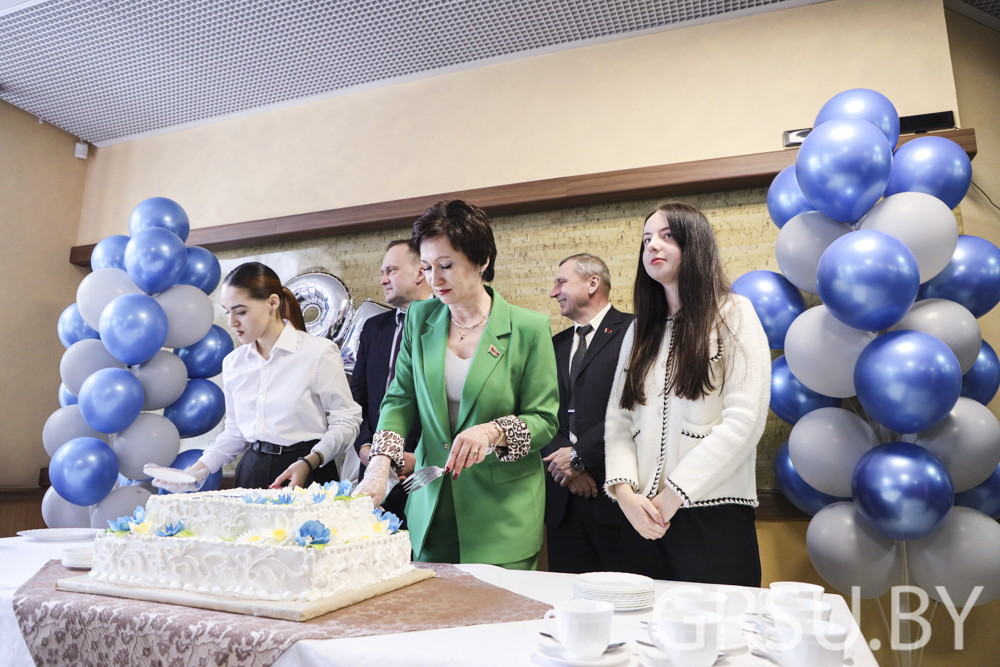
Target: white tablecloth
<point x="501" y="644"/>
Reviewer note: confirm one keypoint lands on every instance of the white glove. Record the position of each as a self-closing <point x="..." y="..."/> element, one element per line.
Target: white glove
<point x="198" y="470"/>
<point x="376" y="479"/>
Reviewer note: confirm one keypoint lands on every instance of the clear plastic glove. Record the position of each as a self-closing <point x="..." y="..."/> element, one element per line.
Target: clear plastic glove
<point x="376" y="478"/>
<point x="198" y="470"/>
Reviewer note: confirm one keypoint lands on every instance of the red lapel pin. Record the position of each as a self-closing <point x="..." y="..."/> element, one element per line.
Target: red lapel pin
<point x="607" y="331"/>
<point x="495" y="352"/>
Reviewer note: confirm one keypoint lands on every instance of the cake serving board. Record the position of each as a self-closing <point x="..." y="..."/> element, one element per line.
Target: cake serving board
<point x="282" y="610"/>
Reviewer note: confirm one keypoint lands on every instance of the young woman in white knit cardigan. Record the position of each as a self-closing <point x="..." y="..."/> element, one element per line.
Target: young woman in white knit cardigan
<point x="687" y="408"/>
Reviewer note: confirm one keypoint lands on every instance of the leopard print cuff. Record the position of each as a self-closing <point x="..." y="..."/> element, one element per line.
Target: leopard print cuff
<point x="517" y="438"/>
<point x="388" y="443"/>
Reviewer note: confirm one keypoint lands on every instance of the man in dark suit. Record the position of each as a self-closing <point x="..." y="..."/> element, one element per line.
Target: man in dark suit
<point x="583" y="523"/>
<point x="403" y="283"/>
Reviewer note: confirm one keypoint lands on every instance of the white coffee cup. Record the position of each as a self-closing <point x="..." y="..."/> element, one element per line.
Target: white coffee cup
<point x="806" y="643"/>
<point x="804" y="608"/>
<point x="704" y="600"/>
<point x="796" y="589"/>
<point x="583" y="627"/>
<point x="690" y="637"/>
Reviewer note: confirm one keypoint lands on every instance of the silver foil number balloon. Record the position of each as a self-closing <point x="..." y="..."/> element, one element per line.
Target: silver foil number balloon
<point x="349" y="348"/>
<point x="327" y="305"/>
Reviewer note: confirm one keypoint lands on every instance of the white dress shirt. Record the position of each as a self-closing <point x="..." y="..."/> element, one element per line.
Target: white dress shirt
<point x="596" y="322"/>
<point x="301" y="393"/>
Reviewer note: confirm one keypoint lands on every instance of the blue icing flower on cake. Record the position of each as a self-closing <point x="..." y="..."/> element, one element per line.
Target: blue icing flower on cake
<point x="312" y="534"/>
<point x="122" y="524"/>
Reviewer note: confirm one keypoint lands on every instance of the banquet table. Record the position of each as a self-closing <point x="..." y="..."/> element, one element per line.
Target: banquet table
<point x="494" y="644"/>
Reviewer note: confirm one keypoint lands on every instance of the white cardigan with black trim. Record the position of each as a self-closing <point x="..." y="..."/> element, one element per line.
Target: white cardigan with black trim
<point x="705" y="450"/>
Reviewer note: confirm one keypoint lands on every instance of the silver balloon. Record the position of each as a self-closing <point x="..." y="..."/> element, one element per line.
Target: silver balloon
<point x="826" y="444"/>
<point x="64" y="425"/>
<point x="189" y="314"/>
<point x="949" y="322"/>
<point x="120" y="502"/>
<point x="801" y="242"/>
<point x="963" y="554"/>
<point x="349" y="348"/>
<point x="151" y="438"/>
<point x="967" y="441"/>
<point x="921" y="221"/>
<point x="163" y="379"/>
<point x="821" y="352"/>
<point x="847" y="551"/>
<point x="99" y="289"/>
<point x="82" y="359"/>
<point x="60" y="513"/>
<point x="327" y="305"/>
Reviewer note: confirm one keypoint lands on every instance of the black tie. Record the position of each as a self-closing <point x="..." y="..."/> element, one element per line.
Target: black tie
<point x="574" y="370"/>
<point x="397" y="339"/>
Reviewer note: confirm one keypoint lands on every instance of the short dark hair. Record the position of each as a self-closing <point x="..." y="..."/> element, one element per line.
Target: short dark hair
<point x="467" y="227"/>
<point x="409" y="246"/>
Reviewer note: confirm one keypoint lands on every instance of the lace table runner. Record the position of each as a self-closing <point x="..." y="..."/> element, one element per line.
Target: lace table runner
<point x="77" y="629"/>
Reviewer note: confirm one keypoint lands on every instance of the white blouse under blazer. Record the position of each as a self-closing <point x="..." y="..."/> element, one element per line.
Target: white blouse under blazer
<point x="706" y="449"/>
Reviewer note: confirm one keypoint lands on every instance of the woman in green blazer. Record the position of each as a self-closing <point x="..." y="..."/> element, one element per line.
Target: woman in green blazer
<point x="480" y="375"/>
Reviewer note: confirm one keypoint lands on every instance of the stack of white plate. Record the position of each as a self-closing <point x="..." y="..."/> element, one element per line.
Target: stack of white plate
<point x="79" y="558"/>
<point x="627" y="592"/>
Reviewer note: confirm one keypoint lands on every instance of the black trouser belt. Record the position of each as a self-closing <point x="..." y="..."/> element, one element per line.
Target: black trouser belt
<point x="276" y="450"/>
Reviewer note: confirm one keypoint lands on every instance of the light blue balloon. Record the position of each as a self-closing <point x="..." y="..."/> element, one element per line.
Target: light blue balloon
<point x="203" y="270"/>
<point x="133" y="328"/>
<point x="932" y="165"/>
<point x="980" y="383"/>
<point x="109" y="253"/>
<point x="803" y="496"/>
<point x="790" y="399"/>
<point x="160" y="212"/>
<point x="776" y="301"/>
<point x="902" y="490"/>
<point x="843" y="167"/>
<point x="71" y="327"/>
<point x="83" y="471"/>
<point x="155" y="259"/>
<point x="907" y="380"/>
<point x="785" y="199"/>
<point x="984" y="498"/>
<point x="199" y="409"/>
<point x="110" y="400"/>
<point x="865" y="104"/>
<point x="189" y="457"/>
<point x="204" y="358"/>
<point x="868" y="279"/>
<point x="65" y="397"/>
<point x="971" y="278"/>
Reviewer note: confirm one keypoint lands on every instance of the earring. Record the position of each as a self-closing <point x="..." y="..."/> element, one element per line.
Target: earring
<point x="482" y="273"/>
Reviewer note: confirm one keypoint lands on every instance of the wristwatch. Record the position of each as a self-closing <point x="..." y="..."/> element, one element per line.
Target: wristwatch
<point x="575" y="462"/>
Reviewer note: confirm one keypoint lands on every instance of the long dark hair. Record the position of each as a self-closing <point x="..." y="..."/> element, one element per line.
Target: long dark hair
<point x="704" y="287"/>
<point x="260" y="282"/>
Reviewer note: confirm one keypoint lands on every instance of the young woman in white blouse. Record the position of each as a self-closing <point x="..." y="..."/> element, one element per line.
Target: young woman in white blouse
<point x="289" y="408"/>
<point x="687" y="409"/>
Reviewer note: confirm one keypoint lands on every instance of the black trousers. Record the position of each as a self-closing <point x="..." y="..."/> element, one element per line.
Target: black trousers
<point x="709" y="545"/>
<point x="258" y="471"/>
<point x="580" y="543"/>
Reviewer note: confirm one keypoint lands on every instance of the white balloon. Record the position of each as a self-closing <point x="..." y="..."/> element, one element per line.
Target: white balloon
<point x="163" y="379"/>
<point x="826" y="444"/>
<point x="120" y="502"/>
<point x="821" y="352"/>
<point x="949" y="322"/>
<point x="923" y="223"/>
<point x="801" y="242"/>
<point x="99" y="289"/>
<point x="189" y="314"/>
<point x="82" y="359"/>
<point x="60" y="513"/>
<point x="64" y="425"/>
<point x="151" y="438"/>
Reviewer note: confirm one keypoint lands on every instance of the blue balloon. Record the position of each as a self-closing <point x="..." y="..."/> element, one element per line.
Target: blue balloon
<point x="803" y="496"/>
<point x="71" y="327"/>
<point x="190" y="456"/>
<point x="65" y="397"/>
<point x="902" y="490"/>
<point x="980" y="383"/>
<point x="83" y="471"/>
<point x="865" y="104"/>
<point x="843" y="167"/>
<point x="907" y="380"/>
<point x="932" y="165"/>
<point x="203" y="270"/>
<point x="109" y="253"/>
<point x="110" y="400"/>
<point x="785" y="199"/>
<point x="776" y="300"/>
<point x="199" y="409"/>
<point x="868" y="279"/>
<point x="155" y="259"/>
<point x="133" y="328"/>
<point x="790" y="399"/>
<point x="984" y="498"/>
<point x="971" y="278"/>
<point x="204" y="358"/>
<point x="160" y="212"/>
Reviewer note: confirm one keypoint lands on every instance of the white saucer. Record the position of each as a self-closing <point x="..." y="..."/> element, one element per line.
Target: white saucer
<point x="60" y="534"/>
<point x="550" y="653"/>
<point x="654" y="657"/>
<point x="168" y="474"/>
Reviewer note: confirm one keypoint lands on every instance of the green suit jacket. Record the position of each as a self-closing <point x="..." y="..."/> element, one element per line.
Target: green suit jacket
<point x="499" y="506"/>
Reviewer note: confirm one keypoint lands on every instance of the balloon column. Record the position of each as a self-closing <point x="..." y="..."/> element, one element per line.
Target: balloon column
<point x="147" y="291"/>
<point x="870" y="229"/>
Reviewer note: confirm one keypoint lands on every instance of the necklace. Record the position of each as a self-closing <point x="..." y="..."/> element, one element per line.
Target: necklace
<point x="461" y="335"/>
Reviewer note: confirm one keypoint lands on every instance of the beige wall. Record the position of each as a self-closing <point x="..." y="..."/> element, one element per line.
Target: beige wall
<point x="41" y="190"/>
<point x="725" y="88"/>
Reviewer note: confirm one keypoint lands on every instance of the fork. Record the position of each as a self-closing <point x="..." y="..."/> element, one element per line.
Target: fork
<point x="422" y="478"/>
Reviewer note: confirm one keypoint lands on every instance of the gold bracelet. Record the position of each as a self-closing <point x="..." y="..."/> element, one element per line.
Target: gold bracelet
<point x="488" y="440"/>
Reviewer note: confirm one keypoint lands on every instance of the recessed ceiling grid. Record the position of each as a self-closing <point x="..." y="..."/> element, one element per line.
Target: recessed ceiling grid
<point x="106" y="69"/>
<point x="991" y="7"/>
